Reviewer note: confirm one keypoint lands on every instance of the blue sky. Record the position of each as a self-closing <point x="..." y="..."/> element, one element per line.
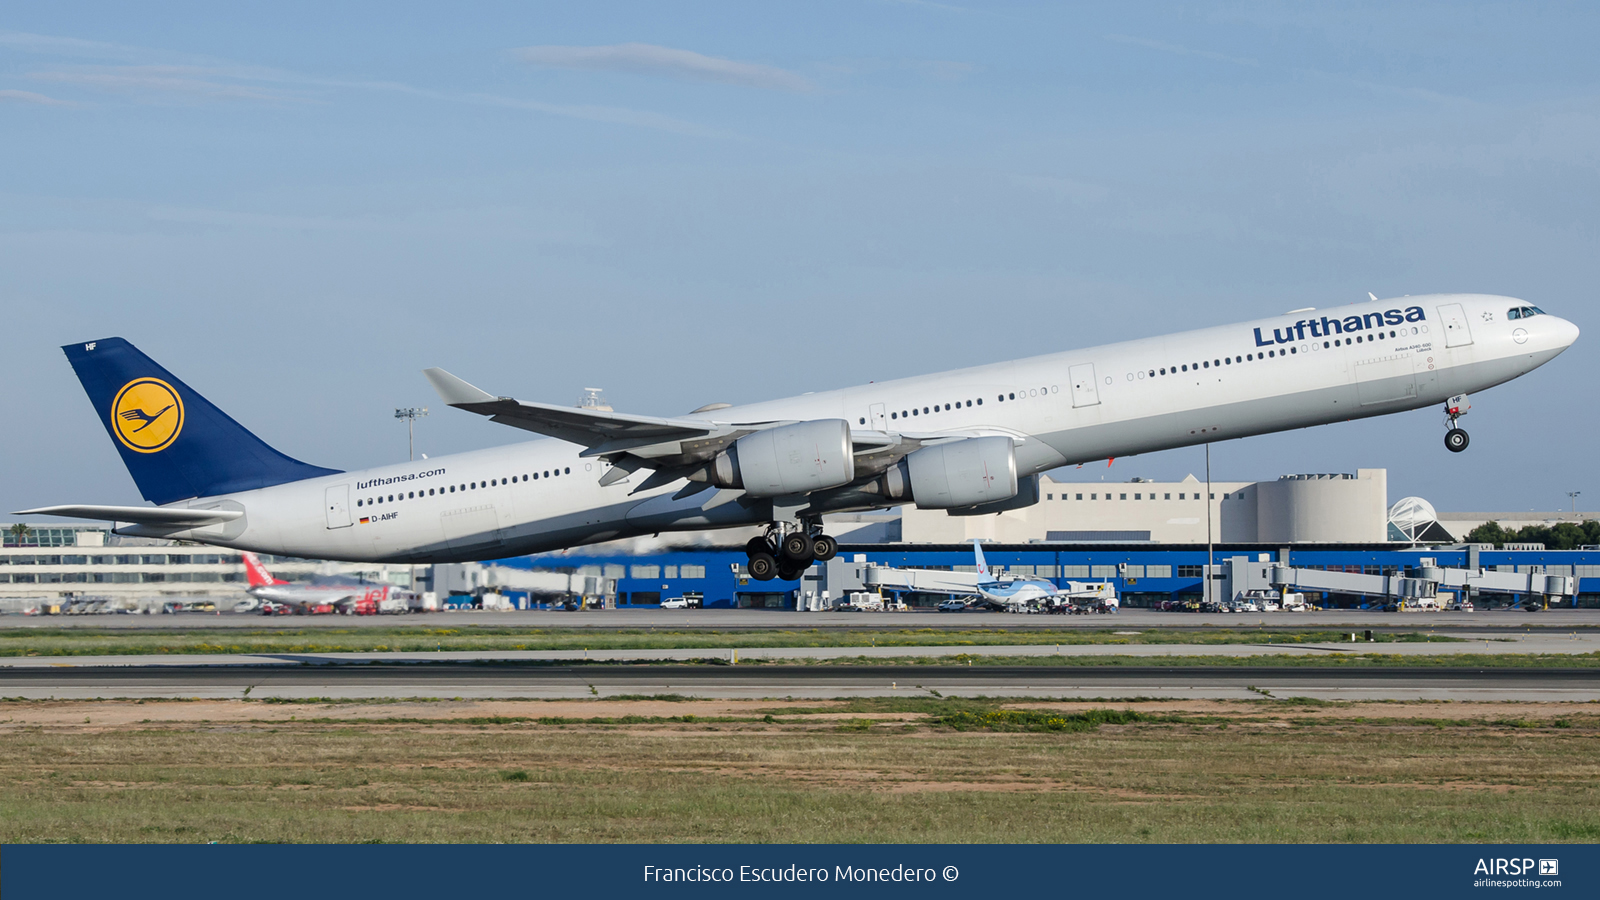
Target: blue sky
<point x="296" y="207"/>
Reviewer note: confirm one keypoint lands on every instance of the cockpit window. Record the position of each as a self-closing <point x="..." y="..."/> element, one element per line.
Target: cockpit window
<point x="1513" y="313"/>
<point x="1524" y="312"/>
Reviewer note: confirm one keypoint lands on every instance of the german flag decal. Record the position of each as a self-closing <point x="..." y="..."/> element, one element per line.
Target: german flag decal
<point x="366" y="521"/>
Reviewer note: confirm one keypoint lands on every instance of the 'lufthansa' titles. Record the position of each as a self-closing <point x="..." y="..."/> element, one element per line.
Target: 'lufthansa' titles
<point x="1327" y="327"/>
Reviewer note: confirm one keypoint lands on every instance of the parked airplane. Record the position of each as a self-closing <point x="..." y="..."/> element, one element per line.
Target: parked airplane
<point x="335" y="591"/>
<point x="986" y="589"/>
<point x="1013" y="593"/>
<point x="971" y="441"/>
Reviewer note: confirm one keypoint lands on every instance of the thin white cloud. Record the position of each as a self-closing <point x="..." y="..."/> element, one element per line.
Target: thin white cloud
<point x="217" y="80"/>
<point x="1423" y="94"/>
<point x="30" y="97"/>
<point x="1181" y="50"/>
<point x="191" y="81"/>
<point x="650" y="59"/>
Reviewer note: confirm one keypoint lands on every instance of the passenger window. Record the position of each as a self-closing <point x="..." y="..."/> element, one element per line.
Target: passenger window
<point x="913" y="412"/>
<point x="1208" y="365"/>
<point x="980" y="402"/>
<point x="1013" y="397"/>
<point x="947" y="407"/>
<point x="547" y="474"/>
<point x="1228" y="361"/>
<point x="358" y="502"/>
<point x="567" y="471"/>
<point x="863" y="420"/>
<point x="894" y="415"/>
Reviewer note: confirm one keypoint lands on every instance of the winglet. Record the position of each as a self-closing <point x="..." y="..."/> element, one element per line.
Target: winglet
<point x="454" y="391"/>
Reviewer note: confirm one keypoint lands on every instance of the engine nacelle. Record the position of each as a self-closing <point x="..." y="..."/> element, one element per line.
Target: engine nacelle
<point x="961" y="473"/>
<point x="1026" y="496"/>
<point x="789" y="459"/>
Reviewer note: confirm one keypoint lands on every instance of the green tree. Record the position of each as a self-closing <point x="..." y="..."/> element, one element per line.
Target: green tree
<point x="18" y="532"/>
<point x="1563" y="536"/>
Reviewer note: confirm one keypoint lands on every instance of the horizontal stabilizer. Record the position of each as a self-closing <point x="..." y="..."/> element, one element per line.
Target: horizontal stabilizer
<point x="140" y="515"/>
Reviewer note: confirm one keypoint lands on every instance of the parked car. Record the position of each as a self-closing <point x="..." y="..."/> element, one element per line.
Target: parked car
<point x="675" y="603"/>
<point x="952" y="605"/>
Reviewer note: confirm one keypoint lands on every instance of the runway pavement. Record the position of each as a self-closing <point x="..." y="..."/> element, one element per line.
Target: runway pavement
<point x="1479" y="643"/>
<point x="483" y="681"/>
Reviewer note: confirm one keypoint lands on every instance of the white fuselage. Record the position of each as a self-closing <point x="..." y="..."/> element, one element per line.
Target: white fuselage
<point x="1076" y="406"/>
<point x="317" y="594"/>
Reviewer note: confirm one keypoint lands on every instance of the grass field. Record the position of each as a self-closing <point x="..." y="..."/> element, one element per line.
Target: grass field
<point x="894" y="770"/>
<point x="121" y="641"/>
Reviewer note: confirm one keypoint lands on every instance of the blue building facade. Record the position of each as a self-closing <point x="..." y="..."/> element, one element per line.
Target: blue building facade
<point x="1144" y="574"/>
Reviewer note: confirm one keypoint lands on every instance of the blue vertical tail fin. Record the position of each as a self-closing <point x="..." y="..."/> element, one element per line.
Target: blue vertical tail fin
<point x="175" y="443"/>
<point x="983" y="565"/>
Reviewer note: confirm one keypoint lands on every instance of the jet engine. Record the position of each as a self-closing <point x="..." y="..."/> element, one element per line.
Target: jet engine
<point x="958" y="474"/>
<point x="789" y="459"/>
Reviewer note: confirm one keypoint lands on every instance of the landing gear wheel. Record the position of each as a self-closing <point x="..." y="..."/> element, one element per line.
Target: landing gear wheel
<point x="790" y="571"/>
<point x="762" y="566"/>
<point x="824" y="548"/>
<point x="1456" y="440"/>
<point x="796" y="548"/>
<point x="757" y="545"/>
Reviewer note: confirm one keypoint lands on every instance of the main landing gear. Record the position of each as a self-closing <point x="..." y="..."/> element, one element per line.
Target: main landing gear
<point x="1455" y="439"/>
<point x="785" y="554"/>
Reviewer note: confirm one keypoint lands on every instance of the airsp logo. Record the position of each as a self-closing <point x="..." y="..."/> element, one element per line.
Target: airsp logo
<point x="147" y="415"/>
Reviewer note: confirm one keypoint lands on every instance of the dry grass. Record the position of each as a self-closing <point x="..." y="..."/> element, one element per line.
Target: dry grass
<point x="844" y="771"/>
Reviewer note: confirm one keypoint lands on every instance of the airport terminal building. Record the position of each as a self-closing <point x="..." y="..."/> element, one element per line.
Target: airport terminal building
<point x="1147" y="537"/>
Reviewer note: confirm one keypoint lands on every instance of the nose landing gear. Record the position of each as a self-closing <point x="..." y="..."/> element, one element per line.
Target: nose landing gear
<point x="785" y="554"/>
<point x="1455" y="439"/>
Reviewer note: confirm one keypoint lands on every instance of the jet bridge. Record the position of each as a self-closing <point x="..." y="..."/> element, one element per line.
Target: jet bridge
<point x="1420" y="583"/>
<point x="928" y="581"/>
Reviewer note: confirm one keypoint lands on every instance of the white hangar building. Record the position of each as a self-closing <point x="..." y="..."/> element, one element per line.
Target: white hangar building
<point x="1322" y="508"/>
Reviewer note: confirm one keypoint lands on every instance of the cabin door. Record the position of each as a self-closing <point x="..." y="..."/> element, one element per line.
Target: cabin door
<point x="1084" y="391"/>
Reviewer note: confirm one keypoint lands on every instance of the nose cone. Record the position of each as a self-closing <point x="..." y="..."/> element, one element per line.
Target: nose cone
<point x="1566" y="333"/>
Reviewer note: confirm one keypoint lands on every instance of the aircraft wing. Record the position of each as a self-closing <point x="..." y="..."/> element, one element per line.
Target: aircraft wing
<point x="139" y="515"/>
<point x="674" y="448"/>
<point x="602" y="432"/>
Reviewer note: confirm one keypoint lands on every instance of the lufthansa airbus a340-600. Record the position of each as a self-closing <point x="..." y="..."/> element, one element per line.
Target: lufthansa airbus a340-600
<point x="971" y="441"/>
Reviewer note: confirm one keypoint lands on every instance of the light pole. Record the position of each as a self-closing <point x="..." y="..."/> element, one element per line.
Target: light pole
<point x="411" y="414"/>
<point x="1573" y="496"/>
<point x="1211" y="554"/>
